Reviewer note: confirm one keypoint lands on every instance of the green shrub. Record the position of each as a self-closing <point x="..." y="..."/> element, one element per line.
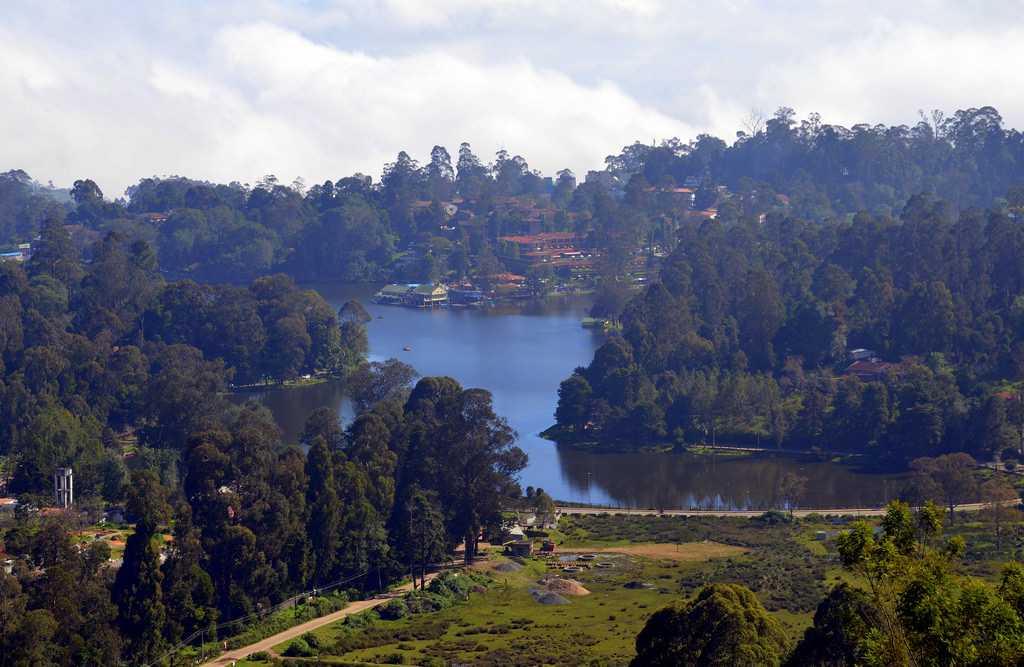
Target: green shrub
<point x="298" y="649"/>
<point x="774" y="518"/>
<point x="362" y="619"/>
<point x="393" y="610"/>
<point x="424" y="602"/>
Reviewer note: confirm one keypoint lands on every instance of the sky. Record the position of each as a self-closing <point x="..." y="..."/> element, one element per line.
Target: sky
<point x="235" y="90"/>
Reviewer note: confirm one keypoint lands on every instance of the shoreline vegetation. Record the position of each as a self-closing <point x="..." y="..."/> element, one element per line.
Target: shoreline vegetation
<point x="568" y="438"/>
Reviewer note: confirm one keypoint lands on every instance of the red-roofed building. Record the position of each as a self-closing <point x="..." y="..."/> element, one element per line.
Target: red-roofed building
<point x="679" y="196"/>
<point x="554" y="249"/>
<point x="708" y="214"/>
<point x="510" y="278"/>
<point x="542" y="241"/>
<point x="869" y="370"/>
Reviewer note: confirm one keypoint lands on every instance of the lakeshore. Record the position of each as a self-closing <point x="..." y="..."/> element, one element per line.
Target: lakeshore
<point x="521" y="352"/>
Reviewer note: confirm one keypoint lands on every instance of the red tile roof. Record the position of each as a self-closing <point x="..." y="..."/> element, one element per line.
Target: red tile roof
<point x="540" y="238"/>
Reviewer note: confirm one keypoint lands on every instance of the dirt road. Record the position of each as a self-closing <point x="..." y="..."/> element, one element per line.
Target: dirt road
<point x="291" y="633"/>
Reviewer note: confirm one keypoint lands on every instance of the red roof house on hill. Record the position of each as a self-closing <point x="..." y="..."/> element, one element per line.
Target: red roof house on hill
<point x="869" y="370"/>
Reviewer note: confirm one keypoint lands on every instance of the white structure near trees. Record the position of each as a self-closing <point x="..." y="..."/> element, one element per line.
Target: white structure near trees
<point x="63" y="487"/>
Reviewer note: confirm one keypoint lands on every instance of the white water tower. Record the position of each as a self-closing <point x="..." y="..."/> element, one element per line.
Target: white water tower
<point x="63" y="487"/>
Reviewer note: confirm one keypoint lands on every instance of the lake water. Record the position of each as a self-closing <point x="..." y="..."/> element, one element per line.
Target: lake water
<point x="520" y="354"/>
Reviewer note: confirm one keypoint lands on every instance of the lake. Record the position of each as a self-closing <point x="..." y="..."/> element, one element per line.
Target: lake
<point x="520" y="353"/>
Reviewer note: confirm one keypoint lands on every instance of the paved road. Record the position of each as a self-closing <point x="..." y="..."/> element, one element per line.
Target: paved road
<point x="299" y="630"/>
<point x="844" y="511"/>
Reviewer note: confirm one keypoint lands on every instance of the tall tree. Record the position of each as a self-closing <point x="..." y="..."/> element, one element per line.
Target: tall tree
<point x="54" y="254"/>
<point x="138" y="588"/>
<point x="187" y="587"/>
<point x="325" y="519"/>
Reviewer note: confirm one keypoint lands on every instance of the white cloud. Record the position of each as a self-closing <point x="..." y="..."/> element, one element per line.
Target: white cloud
<point x="896" y="70"/>
<point x="232" y="91"/>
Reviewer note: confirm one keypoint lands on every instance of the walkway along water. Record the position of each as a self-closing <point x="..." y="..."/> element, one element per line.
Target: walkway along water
<point x="840" y="511"/>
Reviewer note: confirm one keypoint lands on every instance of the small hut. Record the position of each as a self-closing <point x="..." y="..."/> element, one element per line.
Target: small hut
<point x="520" y="548"/>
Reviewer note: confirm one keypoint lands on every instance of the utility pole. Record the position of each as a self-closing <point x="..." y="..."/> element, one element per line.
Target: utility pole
<point x="1020" y="414"/>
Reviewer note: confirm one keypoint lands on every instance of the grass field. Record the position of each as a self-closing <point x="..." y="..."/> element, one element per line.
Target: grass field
<point x="789" y="565"/>
<point x="505" y="625"/>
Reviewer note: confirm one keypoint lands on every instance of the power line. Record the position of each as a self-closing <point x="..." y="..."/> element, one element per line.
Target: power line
<point x="292" y="601"/>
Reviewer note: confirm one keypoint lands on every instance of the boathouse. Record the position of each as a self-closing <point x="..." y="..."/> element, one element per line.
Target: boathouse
<point x="428" y="296"/>
<point x="415" y="295"/>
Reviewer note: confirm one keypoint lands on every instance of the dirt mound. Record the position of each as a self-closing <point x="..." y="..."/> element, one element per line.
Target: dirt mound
<point x="566" y="587"/>
<point x="508" y="567"/>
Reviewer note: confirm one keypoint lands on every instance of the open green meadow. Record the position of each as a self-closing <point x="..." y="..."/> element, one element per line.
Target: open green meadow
<point x="640" y="565"/>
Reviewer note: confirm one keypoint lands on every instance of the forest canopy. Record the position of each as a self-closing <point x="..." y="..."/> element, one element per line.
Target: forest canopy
<point x="892" y="336"/>
<point x="399" y="227"/>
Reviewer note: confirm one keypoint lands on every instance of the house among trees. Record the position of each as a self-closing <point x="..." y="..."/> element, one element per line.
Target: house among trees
<point x="682" y="197"/>
<point x="520" y="548"/>
<point x="867" y="366"/>
<point x="550" y="249"/>
<point x="869" y="370"/>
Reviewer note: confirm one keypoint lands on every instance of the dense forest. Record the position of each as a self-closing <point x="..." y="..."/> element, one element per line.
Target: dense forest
<point x="401" y="227"/>
<point x="748" y="337"/>
<point x="110" y="370"/>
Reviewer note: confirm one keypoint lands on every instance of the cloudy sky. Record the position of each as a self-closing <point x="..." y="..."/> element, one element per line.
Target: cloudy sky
<point x="236" y="90"/>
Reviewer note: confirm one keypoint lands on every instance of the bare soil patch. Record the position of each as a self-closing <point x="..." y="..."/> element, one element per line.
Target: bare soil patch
<point x="686" y="551"/>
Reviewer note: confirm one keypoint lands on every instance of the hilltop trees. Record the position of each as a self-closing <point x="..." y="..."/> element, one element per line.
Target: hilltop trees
<point x="54" y="254"/>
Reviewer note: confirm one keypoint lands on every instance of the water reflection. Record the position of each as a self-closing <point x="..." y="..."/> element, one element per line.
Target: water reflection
<point x="521" y="354"/>
<point x="291" y="407"/>
<point x="713" y="482"/>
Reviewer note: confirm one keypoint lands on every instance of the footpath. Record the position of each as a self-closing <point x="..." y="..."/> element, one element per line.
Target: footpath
<point x="229" y="657"/>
